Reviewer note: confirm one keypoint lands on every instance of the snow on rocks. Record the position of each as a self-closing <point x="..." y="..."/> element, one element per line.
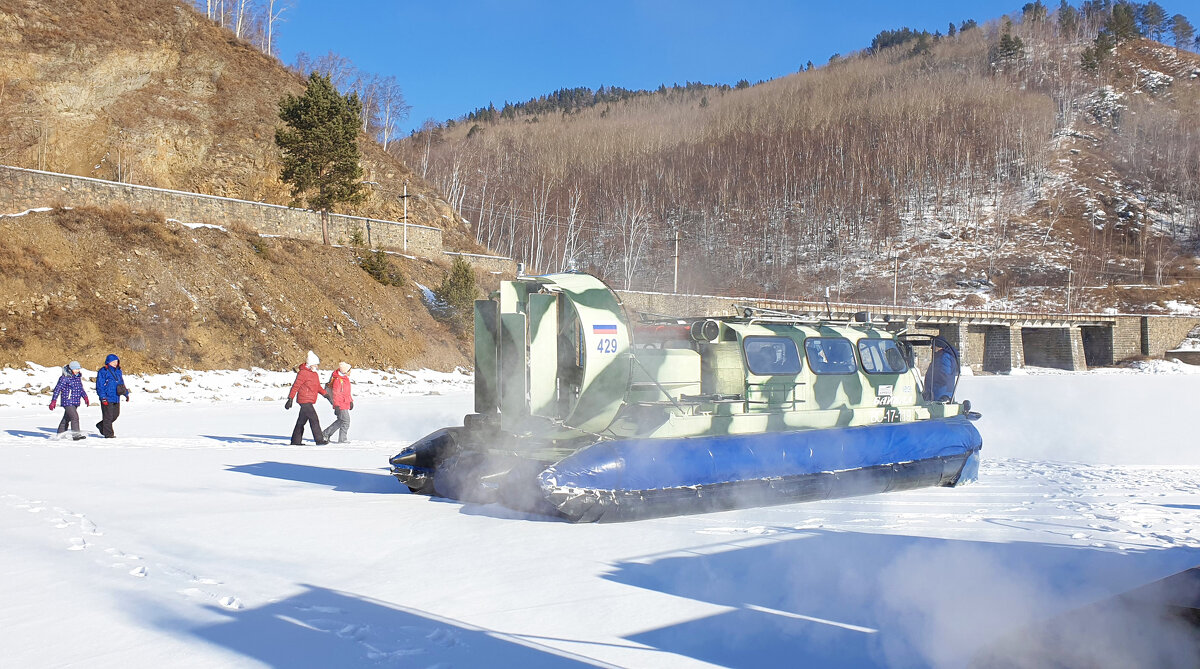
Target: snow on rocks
<point x="1105" y="105"/>
<point x="1152" y="81"/>
<point x="27" y="211"/>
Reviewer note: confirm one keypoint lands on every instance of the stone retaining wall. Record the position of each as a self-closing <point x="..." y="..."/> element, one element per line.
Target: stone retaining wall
<point x="501" y="265"/>
<point x="1164" y="333"/>
<point x="22" y="189"/>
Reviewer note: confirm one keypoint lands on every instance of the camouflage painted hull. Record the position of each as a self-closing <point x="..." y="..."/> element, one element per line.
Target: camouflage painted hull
<point x="632" y="479"/>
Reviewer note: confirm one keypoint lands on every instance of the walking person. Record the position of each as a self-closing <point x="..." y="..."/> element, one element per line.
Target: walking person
<point x="70" y="390"/>
<point x="338" y="390"/>
<point x="305" y="390"/>
<point x="110" y="387"/>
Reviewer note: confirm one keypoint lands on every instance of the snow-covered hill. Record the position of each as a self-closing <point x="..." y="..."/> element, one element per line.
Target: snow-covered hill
<point x="199" y="538"/>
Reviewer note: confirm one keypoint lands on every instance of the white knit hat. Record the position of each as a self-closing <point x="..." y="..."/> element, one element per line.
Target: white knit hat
<point x="313" y="360"/>
<point x="344" y="367"/>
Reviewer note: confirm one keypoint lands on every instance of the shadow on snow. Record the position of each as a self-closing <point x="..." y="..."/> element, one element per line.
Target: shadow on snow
<point x="271" y="439"/>
<point x="325" y="628"/>
<point x="341" y="480"/>
<point x="44" y="433"/>
<point x="845" y="599"/>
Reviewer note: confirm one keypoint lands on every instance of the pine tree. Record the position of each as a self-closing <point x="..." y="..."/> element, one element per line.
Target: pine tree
<point x="1010" y="49"/>
<point x="951" y="31"/>
<point x="1182" y="31"/>
<point x="1033" y="12"/>
<point x="320" y="150"/>
<point x="1094" y="56"/>
<point x="1068" y="19"/>
<point x="1153" y="20"/>
<point x="457" y="293"/>
<point x="1122" y="24"/>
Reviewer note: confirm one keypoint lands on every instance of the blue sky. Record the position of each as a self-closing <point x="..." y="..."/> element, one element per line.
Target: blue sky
<point x="453" y="56"/>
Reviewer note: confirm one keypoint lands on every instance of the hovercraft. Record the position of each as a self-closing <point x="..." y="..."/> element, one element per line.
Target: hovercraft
<point x="580" y="415"/>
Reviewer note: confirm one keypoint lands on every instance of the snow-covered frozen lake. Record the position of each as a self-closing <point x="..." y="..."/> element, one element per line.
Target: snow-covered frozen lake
<point x="199" y="538"/>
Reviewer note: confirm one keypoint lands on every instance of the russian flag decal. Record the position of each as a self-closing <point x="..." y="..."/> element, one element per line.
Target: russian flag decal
<point x="604" y="329"/>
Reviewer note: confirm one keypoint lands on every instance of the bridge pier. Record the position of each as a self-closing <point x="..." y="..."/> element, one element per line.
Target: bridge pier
<point x="1056" y="347"/>
<point x="1004" y="349"/>
<point x="988" y="341"/>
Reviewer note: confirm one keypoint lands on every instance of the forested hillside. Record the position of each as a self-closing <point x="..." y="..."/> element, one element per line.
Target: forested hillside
<point x="997" y="164"/>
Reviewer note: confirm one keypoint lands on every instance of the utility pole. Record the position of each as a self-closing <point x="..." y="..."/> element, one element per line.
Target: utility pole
<point x="1069" y="272"/>
<point x="675" y="287"/>
<point x="896" y="282"/>
<point x="404" y="199"/>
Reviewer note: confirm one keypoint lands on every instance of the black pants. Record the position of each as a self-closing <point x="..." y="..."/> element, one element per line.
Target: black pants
<point x="70" y="418"/>
<point x="109" y="413"/>
<point x="308" y="414"/>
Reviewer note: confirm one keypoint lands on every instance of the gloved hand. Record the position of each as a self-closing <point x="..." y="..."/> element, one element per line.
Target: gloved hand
<point x="53" y="403"/>
<point x="87" y="401"/>
<point x="289" y="404"/>
<point x="126" y="397"/>
<point x="352" y="406"/>
<point x="103" y="402"/>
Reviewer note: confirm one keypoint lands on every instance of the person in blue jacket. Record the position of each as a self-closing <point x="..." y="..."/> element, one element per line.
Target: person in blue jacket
<point x="942" y="375"/>
<point x="110" y="386"/>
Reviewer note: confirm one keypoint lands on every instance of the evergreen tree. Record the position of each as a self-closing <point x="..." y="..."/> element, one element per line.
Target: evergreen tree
<point x="969" y="24"/>
<point x="457" y="294"/>
<point x="1122" y="24"/>
<point x="1068" y="19"/>
<point x="320" y="149"/>
<point x="1033" y="12"/>
<point x="951" y="31"/>
<point x="1153" y="20"/>
<point x="1182" y="31"/>
<point x="923" y="45"/>
<point x="1093" y="57"/>
<point x="1010" y="49"/>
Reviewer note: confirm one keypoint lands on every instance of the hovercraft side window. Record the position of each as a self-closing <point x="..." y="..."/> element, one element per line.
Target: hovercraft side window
<point x="768" y="356"/>
<point x="881" y="356"/>
<point x="830" y="355"/>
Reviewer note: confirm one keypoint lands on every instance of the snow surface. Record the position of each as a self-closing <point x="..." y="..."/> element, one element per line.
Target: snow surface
<point x="199" y="538"/>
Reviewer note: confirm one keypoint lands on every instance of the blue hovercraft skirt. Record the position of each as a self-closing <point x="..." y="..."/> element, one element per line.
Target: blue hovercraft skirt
<point x="643" y="478"/>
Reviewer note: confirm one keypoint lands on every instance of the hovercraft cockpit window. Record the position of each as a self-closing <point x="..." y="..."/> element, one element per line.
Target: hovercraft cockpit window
<point x="767" y="356"/>
<point x="830" y="355"/>
<point x="881" y="356"/>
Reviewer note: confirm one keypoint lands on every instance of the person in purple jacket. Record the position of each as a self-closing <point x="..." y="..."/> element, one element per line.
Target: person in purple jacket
<point x="110" y="386"/>
<point x="70" y="390"/>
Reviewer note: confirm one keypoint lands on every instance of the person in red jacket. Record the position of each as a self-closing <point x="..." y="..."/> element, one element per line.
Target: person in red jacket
<point x="339" y="394"/>
<point x="305" y="390"/>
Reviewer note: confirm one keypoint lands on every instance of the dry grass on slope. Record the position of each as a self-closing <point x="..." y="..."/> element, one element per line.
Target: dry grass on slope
<point x="151" y="92"/>
<point x="79" y="284"/>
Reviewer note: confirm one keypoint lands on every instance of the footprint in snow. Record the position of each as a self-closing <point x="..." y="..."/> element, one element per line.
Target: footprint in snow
<point x="77" y="544"/>
<point x="139" y="572"/>
<point x="88" y="526"/>
<point x="230" y="603"/>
